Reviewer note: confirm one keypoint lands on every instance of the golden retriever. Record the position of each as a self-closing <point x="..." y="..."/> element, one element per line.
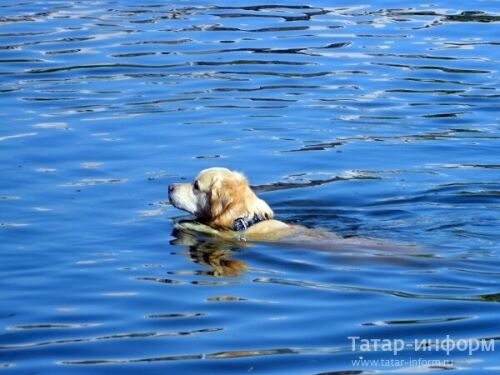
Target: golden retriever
<point x="226" y="207"/>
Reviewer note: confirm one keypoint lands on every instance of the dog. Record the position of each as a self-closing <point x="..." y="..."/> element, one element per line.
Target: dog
<point x="225" y="207"/>
<point x="222" y="200"/>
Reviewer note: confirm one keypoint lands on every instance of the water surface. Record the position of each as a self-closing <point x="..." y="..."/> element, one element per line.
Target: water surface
<point x="375" y="121"/>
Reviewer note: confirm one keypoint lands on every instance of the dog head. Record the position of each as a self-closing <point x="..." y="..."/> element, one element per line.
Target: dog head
<point x="218" y="197"/>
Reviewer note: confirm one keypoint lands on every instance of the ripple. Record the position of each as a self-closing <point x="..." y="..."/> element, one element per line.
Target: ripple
<point x="464" y="166"/>
<point x="208" y="157"/>
<point x="176" y="315"/>
<point x="45" y="170"/>
<point x="50" y="326"/>
<point x="395" y="293"/>
<point x="119" y="336"/>
<point x="160" y="280"/>
<point x="15" y="136"/>
<point x="117" y="294"/>
<point x="91" y="165"/>
<point x="226" y="299"/>
<point x="9" y="197"/>
<point x="52" y="125"/>
<point x="91" y="67"/>
<point x="312" y="182"/>
<point x="163" y="280"/>
<point x="160" y="42"/>
<point x="256" y="12"/>
<point x="219" y="355"/>
<point x="417" y="321"/>
<point x="450" y="193"/>
<point x="439" y="68"/>
<point x="7" y="224"/>
<point x="152" y="213"/>
<point x="472" y="16"/>
<point x="95" y="181"/>
<point x="117" y="67"/>
<point x="318" y="147"/>
<point x="64" y="51"/>
<point x="298" y="51"/>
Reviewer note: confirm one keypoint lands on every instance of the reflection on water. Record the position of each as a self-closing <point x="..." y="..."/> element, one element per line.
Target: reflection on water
<point x="213" y="253"/>
<point x="366" y="120"/>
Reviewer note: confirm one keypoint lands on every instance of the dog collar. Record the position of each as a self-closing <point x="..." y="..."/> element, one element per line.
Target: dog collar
<point x="241" y="224"/>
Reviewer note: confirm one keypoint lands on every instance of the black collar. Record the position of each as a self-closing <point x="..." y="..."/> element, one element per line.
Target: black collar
<point x="241" y="224"/>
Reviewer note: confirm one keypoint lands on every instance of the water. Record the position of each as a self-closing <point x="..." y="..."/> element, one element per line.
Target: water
<point x="375" y="121"/>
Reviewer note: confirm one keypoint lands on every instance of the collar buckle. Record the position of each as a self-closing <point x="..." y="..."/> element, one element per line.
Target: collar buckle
<point x="241" y="224"/>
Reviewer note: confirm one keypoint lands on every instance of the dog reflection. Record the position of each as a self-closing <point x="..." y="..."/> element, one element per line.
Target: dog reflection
<point x="210" y="252"/>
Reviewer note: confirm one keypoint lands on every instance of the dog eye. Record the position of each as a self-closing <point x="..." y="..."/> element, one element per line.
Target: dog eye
<point x="196" y="185"/>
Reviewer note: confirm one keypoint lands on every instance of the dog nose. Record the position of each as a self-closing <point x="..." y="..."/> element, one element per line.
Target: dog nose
<point x="170" y="189"/>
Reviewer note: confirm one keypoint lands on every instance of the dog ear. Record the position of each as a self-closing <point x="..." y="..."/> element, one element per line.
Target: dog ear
<point x="230" y="198"/>
<point x="220" y="198"/>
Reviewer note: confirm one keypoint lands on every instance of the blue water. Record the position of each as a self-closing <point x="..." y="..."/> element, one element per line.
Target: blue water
<point x="368" y="120"/>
